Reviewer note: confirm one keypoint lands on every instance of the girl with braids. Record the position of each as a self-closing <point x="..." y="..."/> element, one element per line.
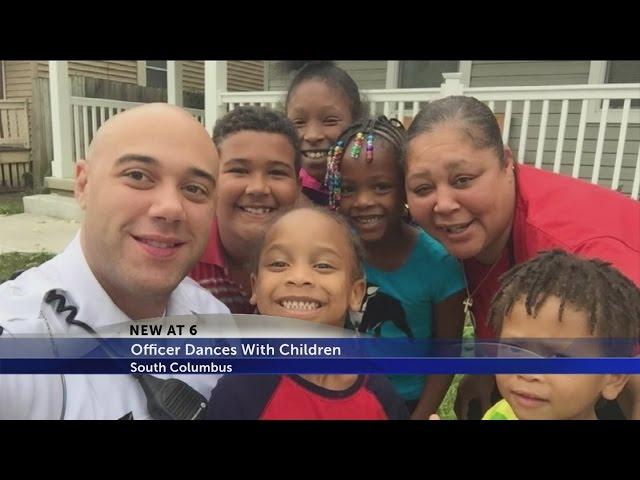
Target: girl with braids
<point x="414" y="286"/>
<point x="557" y="296"/>
<point x="321" y="102"/>
<point x="465" y="188"/>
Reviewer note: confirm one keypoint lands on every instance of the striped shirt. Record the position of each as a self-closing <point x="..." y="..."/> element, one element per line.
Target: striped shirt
<point x="211" y="273"/>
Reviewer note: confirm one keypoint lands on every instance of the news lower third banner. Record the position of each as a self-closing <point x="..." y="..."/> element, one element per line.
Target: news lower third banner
<point x="256" y="344"/>
<point x="299" y="356"/>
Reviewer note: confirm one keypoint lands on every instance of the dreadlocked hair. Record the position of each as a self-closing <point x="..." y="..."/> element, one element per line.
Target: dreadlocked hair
<point x="611" y="300"/>
<point x="391" y="130"/>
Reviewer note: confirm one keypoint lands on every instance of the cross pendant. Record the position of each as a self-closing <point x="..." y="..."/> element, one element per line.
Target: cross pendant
<point x="468" y="303"/>
<point x="468" y="313"/>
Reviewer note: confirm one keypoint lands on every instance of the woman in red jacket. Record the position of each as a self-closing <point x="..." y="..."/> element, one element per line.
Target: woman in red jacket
<point x="465" y="189"/>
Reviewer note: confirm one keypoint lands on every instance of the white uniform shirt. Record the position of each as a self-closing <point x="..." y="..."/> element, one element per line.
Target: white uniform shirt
<point x="23" y="311"/>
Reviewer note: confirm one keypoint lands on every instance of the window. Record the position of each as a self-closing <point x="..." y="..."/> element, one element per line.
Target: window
<point x="152" y="73"/>
<point x="424" y="73"/>
<point x="157" y="73"/>
<point x="623" y="71"/>
<point x="615" y="71"/>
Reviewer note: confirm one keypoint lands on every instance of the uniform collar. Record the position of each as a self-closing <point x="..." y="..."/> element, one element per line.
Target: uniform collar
<point x="95" y="307"/>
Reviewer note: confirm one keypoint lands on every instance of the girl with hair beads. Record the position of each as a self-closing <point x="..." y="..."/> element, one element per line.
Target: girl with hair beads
<point x="414" y="287"/>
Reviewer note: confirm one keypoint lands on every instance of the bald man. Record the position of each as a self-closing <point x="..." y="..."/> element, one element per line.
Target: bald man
<point x="147" y="187"/>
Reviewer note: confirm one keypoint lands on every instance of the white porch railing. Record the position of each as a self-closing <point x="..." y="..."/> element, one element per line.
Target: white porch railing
<point x="88" y="114"/>
<point x="587" y="131"/>
<point x="572" y="129"/>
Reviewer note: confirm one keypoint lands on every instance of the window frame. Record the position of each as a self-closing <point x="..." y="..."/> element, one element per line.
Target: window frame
<point x="3" y="81"/>
<point x="143" y="66"/>
<point x="393" y="73"/>
<point x="597" y="75"/>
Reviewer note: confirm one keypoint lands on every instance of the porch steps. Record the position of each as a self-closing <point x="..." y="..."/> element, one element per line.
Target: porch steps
<point x="53" y="205"/>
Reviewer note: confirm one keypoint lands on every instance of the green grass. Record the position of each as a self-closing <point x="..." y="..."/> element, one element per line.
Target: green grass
<point x="11" y="203"/>
<point x="13" y="261"/>
<point x="446" y="407"/>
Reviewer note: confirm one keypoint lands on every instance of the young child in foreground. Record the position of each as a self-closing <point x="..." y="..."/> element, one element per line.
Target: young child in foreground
<point x="560" y="296"/>
<point x="309" y="267"/>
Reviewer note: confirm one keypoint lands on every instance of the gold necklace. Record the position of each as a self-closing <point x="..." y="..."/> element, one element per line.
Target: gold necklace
<point x="467" y="303"/>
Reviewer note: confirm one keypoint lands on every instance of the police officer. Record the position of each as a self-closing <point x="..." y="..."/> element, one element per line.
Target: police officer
<point x="147" y="188"/>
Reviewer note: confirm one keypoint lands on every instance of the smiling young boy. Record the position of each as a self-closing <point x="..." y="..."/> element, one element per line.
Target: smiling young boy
<point x="259" y="152"/>
<point x="309" y="267"/>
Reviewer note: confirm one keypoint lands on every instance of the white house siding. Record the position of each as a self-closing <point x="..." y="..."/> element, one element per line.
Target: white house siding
<point x="242" y="75"/>
<point x="193" y="75"/>
<point x="372" y="74"/>
<point x="125" y="71"/>
<point x="18" y="76"/>
<point x="245" y="75"/>
<point x="528" y="73"/>
<point x="367" y="74"/>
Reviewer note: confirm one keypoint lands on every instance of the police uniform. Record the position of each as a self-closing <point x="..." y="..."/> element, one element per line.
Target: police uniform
<point x="24" y="311"/>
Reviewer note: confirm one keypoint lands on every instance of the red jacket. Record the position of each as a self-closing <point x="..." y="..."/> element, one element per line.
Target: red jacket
<point x="557" y="211"/>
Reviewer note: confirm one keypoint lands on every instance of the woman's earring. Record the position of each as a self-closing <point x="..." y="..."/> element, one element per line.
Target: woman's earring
<point x="405" y="211"/>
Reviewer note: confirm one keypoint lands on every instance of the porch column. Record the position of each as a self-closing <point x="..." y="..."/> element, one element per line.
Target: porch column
<point x="215" y="82"/>
<point x="60" y="91"/>
<point x="174" y="83"/>
<point x="392" y="79"/>
<point x="452" y="84"/>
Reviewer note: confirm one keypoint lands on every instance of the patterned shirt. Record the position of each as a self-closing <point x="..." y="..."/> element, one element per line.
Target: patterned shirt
<point x="211" y="273"/>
